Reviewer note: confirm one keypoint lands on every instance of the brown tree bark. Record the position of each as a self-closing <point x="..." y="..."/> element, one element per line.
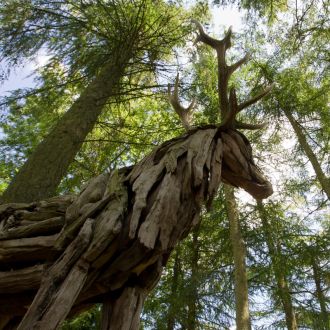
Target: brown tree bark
<point x="278" y="269"/>
<point x="41" y="174"/>
<point x="243" y="321"/>
<point x="110" y="243"/>
<point x="323" y="179"/>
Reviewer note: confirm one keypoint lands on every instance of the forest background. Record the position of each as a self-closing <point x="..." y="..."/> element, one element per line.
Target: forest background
<point x="286" y="236"/>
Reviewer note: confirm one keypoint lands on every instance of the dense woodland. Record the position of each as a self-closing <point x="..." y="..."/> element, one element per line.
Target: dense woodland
<point x="251" y="263"/>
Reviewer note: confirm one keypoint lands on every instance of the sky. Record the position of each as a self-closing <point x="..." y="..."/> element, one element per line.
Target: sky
<point x="227" y="17"/>
<point x="22" y="77"/>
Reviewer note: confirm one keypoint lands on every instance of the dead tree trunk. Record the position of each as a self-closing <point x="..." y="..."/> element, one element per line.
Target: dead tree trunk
<point x="110" y="243"/>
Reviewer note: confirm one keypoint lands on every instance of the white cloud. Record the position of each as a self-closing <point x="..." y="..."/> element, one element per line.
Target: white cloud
<point x="226" y="17"/>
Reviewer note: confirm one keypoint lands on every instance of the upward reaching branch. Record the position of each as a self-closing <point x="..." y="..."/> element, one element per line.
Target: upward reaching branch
<point x="229" y="107"/>
<point x="185" y="114"/>
<point x="214" y="43"/>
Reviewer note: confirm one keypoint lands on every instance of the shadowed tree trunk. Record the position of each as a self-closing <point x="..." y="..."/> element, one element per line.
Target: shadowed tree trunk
<point x="238" y="247"/>
<point x="324" y="324"/>
<point x="193" y="282"/>
<point x="278" y="269"/>
<point x="174" y="294"/>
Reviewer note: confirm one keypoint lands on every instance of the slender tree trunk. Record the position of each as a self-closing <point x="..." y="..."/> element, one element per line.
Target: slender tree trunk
<point x="324" y="181"/>
<point x="319" y="293"/>
<point x="42" y="172"/>
<point x="278" y="267"/>
<point x="193" y="282"/>
<point x="241" y="284"/>
<point x="285" y="296"/>
<point x="175" y="279"/>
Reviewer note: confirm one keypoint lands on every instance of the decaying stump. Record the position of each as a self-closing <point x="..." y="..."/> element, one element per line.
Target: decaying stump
<point x="110" y="243"/>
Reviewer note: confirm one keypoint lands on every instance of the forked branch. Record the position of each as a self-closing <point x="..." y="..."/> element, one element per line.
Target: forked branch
<point x="229" y="107"/>
<point x="185" y="114"/>
<point x="214" y="43"/>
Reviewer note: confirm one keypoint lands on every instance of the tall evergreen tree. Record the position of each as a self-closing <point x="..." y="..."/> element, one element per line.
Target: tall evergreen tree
<point x="100" y="42"/>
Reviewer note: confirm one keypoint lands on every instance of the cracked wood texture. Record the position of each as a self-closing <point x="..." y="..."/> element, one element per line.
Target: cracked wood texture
<point x="110" y="243"/>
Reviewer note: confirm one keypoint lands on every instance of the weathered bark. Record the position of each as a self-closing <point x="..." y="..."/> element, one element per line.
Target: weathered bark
<point x="323" y="179"/>
<point x="118" y="233"/>
<point x="278" y="269"/>
<point x="324" y="319"/>
<point x="124" y="312"/>
<point x="238" y="247"/>
<point x="41" y="174"/>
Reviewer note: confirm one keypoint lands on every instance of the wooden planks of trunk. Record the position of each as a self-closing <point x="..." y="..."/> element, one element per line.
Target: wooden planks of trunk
<point x="109" y="243"/>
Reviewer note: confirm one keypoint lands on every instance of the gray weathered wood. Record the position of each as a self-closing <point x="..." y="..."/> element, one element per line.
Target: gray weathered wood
<point x="118" y="233"/>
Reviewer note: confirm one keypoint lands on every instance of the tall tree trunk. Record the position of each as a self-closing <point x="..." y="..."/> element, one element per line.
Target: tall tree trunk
<point x="241" y="284"/>
<point x="278" y="269"/>
<point x="324" y="181"/>
<point x="285" y="296"/>
<point x="42" y="172"/>
<point x="173" y="298"/>
<point x="193" y="282"/>
<point x="319" y="293"/>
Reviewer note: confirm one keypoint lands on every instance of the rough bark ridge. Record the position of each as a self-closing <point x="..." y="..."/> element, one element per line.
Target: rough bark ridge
<point x="110" y="243"/>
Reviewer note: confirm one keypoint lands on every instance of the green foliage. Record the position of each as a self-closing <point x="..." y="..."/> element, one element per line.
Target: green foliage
<point x="81" y="37"/>
<point x="268" y="8"/>
<point x="85" y="321"/>
<point x="292" y="52"/>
